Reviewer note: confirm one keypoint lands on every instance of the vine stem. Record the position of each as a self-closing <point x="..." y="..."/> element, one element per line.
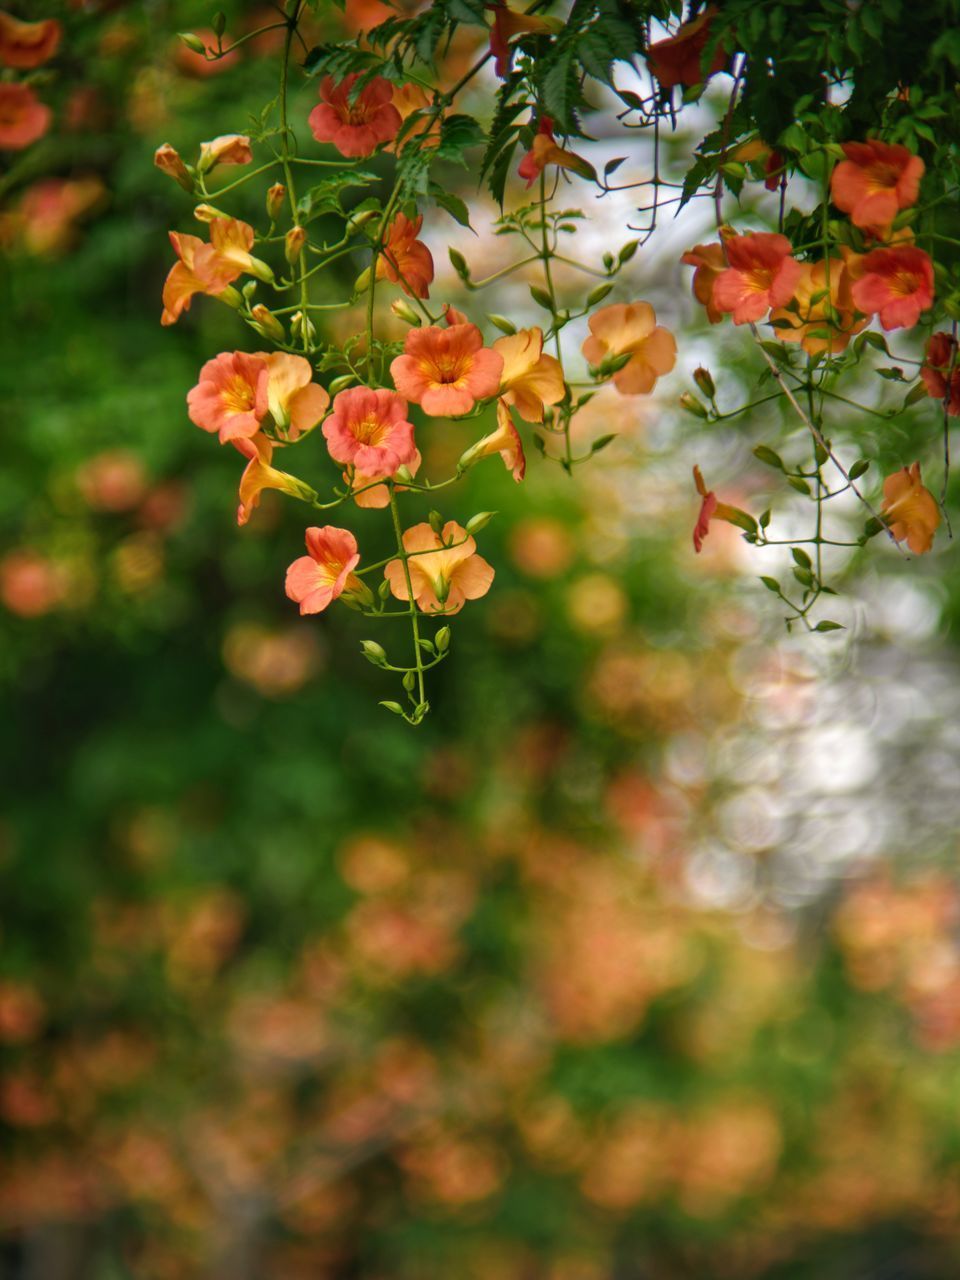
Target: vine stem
<point x="414" y="620"/>
<point x="292" y="18"/>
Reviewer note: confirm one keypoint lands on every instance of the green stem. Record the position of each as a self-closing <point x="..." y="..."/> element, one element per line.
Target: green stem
<point x="414" y="620"/>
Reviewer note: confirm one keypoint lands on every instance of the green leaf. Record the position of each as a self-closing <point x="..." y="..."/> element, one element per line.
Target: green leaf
<point x="768" y="457"/>
<point x="771" y="584"/>
<point x="859" y="467"/>
<point x="601" y="442"/>
<point x="456" y="207"/>
<point x="801" y="558"/>
<point x="826" y="625"/>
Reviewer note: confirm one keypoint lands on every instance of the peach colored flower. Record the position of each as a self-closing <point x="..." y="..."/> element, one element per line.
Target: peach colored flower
<point x="405" y="260"/>
<point x="26" y="45"/>
<point x="379" y="495"/>
<point x="206" y="268"/>
<point x="259" y="475"/>
<point x="896" y="284"/>
<point x="369" y="430"/>
<point x="30" y="584"/>
<point x="295" y="401"/>
<point x="911" y="509"/>
<point x="505" y="441"/>
<point x="112" y="481"/>
<point x="709" y="261"/>
<point x="631" y="327"/>
<point x="529" y="379"/>
<point x="23" y="117"/>
<point x="452" y="316"/>
<point x="874" y="182"/>
<point x="810" y="318"/>
<point x="711" y="509"/>
<point x="50" y="209"/>
<point x="236" y="391"/>
<point x="677" y="60"/>
<point x="355" y="127"/>
<point x="408" y="98"/>
<point x="230" y="396"/>
<point x="317" y="579"/>
<point x="443" y="576"/>
<point x="507" y="24"/>
<point x="168" y="161"/>
<point x="761" y="274"/>
<point x="545" y="150"/>
<point x="229" y="148"/>
<point x="447" y="371"/>
<point x="941" y="362"/>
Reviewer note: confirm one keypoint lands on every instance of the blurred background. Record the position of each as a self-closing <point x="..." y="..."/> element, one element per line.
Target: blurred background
<point x="639" y="960"/>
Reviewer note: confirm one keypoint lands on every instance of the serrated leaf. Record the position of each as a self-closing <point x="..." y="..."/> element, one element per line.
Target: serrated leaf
<point x="456" y="207"/>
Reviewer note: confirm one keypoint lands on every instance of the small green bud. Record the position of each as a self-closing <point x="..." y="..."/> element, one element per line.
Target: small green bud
<point x="194" y="43"/>
<point x="443" y="639"/>
<point x="598" y="294"/>
<point x="409" y="681"/>
<point x="503" y="324"/>
<point x="341" y="383"/>
<point x="693" y="405"/>
<point x="704" y="380"/>
<point x="479" y="521"/>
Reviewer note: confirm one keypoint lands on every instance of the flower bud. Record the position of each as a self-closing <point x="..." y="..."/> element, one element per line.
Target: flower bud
<point x="293" y="244"/>
<point x="693" y="405"/>
<point x="194" y="43"/>
<point x="230" y="296"/>
<point x="362" y="282"/>
<point x="403" y="311"/>
<point x="358" y="220"/>
<point x="207" y="213"/>
<point x="267" y="323"/>
<point x="442" y="639"/>
<point x="479" y="521"/>
<point x="275" y="198"/>
<point x="262" y="270"/>
<point x="303" y="327"/>
<point x="341" y="383"/>
<point x="705" y="382"/>
<point x="168" y="161"/>
<point x="404" y="474"/>
<point x="373" y="652"/>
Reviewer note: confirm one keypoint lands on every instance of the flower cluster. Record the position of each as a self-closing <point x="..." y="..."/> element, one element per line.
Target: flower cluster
<point x="24" y="46"/>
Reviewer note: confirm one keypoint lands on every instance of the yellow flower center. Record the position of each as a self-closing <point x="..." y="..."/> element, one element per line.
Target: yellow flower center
<point x="370" y="430"/>
<point x="237" y="396"/>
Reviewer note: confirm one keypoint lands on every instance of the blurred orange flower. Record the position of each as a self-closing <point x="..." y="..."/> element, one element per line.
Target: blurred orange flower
<point x="405" y="260"/>
<point x="874" y="182"/>
<point x="896" y="284"/>
<point x="356" y="126"/>
<point x="761" y="274"/>
<point x="229" y="148"/>
<point x="545" y="150"/>
<point x="677" y="60"/>
<point x="23" y="117"/>
<point x="26" y="45"/>
<point x="911" y="509"/>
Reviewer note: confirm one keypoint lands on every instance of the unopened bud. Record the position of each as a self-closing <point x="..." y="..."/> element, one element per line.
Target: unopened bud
<point x="373" y="652"/>
<point x="293" y="244"/>
<point x="479" y="521"/>
<point x="262" y="270"/>
<point x="362" y="282"/>
<point x="598" y="294"/>
<point x="194" y="43"/>
<point x="168" y="161"/>
<point x="207" y="213"/>
<point x="442" y="639"/>
<point x="249" y="289"/>
<point x="230" y="296"/>
<point x="275" y="198"/>
<point x="358" y="220"/>
<point x="341" y="383"/>
<point x="459" y="264"/>
<point x="267" y="323"/>
<point x="403" y="311"/>
<point x="704" y="381"/>
<point x="303" y="327"/>
<point x="693" y="405"/>
<point x="503" y="324"/>
<point x="404" y="474"/>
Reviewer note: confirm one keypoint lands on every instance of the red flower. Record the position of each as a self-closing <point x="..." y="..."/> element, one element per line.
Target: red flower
<point x="712" y="509"/>
<point x="26" y="45"/>
<point x="545" y="150"/>
<point x="23" y="117"/>
<point x="761" y="274"/>
<point x="774" y="170"/>
<point x="507" y="23"/>
<point x="896" y="284"/>
<point x="874" y="182"/>
<point x="355" y="126"/>
<point x="677" y="60"/>
<point x="941" y="361"/>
